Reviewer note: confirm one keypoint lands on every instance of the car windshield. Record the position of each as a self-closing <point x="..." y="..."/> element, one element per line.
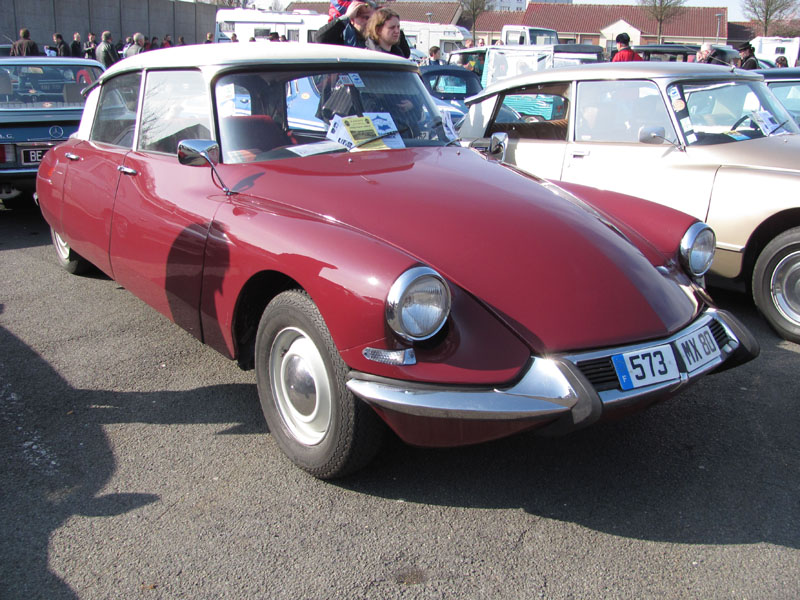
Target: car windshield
<point x="270" y="115"/>
<point x="718" y="112"/>
<point x="43" y="86"/>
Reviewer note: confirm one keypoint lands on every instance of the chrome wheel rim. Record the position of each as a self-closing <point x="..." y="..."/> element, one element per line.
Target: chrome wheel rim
<point x="62" y="247"/>
<point x="785" y="287"/>
<point x="300" y="386"/>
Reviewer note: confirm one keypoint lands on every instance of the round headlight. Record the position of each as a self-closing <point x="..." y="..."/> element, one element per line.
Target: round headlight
<point x="697" y="249"/>
<point x="418" y="304"/>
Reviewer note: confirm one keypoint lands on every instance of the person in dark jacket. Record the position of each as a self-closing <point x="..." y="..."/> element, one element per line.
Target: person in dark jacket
<point x="747" y="54"/>
<point x="105" y="51"/>
<point x="347" y="30"/>
<point x="75" y="47"/>
<point x="90" y="46"/>
<point x="624" y="52"/>
<point x="24" y="46"/>
<point x="61" y="46"/>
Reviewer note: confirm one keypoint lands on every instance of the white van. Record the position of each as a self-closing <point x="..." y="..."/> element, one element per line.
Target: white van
<point x="246" y="23"/>
<point x="424" y="35"/>
<point x="770" y="48"/>
<point x="522" y="35"/>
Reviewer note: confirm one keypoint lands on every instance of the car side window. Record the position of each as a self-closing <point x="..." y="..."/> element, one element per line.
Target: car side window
<point x="617" y="111"/>
<point x="115" y="119"/>
<point x="176" y="107"/>
<point x="539" y="113"/>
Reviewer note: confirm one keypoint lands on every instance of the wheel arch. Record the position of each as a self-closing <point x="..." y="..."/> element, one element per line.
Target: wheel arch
<point x="253" y="298"/>
<point x="768" y="230"/>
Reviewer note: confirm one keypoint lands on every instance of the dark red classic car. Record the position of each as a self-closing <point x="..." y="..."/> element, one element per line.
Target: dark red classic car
<point x="309" y="215"/>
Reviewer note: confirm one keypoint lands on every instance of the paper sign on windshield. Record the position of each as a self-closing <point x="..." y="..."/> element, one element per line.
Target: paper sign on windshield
<point x="352" y="132"/>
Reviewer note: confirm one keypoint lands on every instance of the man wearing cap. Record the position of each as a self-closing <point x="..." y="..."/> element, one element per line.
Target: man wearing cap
<point x="749" y="60"/>
<point x="624" y="53"/>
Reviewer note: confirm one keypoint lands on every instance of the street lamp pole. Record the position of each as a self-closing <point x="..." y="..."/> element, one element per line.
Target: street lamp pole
<point x="719" y="20"/>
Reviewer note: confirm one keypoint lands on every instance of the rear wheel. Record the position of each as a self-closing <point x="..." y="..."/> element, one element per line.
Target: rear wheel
<point x="69" y="259"/>
<point x="312" y="415"/>
<point x="776" y="284"/>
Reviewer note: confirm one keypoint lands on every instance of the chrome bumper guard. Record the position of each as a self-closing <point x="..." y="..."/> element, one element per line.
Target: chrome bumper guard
<point x="553" y="388"/>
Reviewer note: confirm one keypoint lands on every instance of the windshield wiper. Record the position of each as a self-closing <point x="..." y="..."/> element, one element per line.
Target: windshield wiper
<point x="774" y="129"/>
<point x="378" y="137"/>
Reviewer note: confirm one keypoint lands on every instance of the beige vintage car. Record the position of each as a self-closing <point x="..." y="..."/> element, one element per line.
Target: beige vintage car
<point x="711" y="141"/>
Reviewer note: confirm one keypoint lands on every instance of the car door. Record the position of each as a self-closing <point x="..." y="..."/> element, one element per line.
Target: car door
<point x="606" y="153"/>
<point x="89" y="191"/>
<point x="536" y="120"/>
<point x="163" y="209"/>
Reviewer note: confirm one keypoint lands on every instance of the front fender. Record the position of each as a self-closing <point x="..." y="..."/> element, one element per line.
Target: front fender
<point x="348" y="275"/>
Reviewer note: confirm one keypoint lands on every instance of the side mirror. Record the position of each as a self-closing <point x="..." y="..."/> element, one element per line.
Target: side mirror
<point x="198" y="153"/>
<point x="497" y="146"/>
<point x="652" y="135"/>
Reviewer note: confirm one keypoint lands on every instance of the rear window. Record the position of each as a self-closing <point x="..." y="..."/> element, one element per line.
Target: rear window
<point x="43" y="86"/>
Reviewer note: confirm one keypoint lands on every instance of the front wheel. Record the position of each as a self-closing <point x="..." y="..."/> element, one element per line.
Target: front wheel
<point x="314" y="418"/>
<point x="69" y="259"/>
<point x="776" y="284"/>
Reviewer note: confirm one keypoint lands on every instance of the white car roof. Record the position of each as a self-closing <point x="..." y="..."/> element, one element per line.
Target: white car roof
<point x="230" y="54"/>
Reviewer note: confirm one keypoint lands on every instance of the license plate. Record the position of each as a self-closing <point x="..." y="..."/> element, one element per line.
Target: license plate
<point x="697" y="349"/>
<point x="33" y="156"/>
<point x="646" y="366"/>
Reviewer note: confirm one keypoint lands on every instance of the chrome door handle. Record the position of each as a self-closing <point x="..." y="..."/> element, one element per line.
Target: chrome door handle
<point x="71" y="156"/>
<point x="126" y="170"/>
<point x="580" y="153"/>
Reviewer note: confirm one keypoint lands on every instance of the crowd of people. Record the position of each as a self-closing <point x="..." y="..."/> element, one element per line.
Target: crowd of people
<point x="105" y="51"/>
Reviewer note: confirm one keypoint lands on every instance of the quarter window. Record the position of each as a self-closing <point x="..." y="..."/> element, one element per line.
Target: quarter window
<point x="115" y="119"/>
<point x="539" y="113"/>
<point x="176" y="107"/>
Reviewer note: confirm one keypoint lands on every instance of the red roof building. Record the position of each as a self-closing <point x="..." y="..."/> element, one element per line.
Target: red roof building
<point x="600" y="23"/>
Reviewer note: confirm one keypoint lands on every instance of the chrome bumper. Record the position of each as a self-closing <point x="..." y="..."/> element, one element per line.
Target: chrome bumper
<point x="553" y="388"/>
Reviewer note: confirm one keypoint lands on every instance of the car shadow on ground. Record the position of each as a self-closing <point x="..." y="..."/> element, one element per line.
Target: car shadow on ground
<point x="57" y="459"/>
<point x="719" y="464"/>
<point x="23" y="228"/>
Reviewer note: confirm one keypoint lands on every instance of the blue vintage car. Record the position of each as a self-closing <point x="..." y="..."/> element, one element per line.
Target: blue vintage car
<point x="40" y="105"/>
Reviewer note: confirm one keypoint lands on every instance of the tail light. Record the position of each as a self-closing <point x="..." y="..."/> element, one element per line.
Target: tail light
<point x="8" y="154"/>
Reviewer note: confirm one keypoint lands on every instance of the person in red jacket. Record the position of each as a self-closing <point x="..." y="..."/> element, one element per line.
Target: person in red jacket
<point x="624" y="53"/>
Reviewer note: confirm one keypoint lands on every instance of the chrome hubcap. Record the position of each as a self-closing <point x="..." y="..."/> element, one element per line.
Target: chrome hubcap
<point x="62" y="247"/>
<point x="300" y="386"/>
<point x="785" y="287"/>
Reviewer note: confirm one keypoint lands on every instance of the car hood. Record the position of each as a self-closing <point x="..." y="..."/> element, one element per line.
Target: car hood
<point x="560" y="275"/>
<point x="774" y="152"/>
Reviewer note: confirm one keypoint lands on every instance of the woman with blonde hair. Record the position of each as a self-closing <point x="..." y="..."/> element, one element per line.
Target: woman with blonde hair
<point x="383" y="33"/>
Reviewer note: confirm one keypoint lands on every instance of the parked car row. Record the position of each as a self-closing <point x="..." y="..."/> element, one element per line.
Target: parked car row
<point x="372" y="270"/>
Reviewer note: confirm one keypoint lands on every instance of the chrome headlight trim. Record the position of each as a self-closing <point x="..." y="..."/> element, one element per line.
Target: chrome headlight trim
<point x="697" y="249"/>
<point x="395" y="303"/>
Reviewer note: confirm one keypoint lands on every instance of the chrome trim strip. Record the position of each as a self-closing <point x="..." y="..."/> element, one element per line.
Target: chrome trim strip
<point x="552" y="387"/>
<point x="543" y="393"/>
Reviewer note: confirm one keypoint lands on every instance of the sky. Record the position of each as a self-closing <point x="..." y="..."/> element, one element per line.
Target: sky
<point x="734" y="6"/>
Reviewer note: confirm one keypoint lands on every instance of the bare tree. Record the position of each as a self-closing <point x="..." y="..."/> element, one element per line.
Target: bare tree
<point x="663" y="11"/>
<point x="475" y="8"/>
<point x="766" y="12"/>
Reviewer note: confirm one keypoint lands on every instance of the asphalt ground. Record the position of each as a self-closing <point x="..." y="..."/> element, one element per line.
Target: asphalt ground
<point x="136" y="464"/>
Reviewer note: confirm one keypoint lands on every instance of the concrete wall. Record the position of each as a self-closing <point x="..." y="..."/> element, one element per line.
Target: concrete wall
<point x="121" y="17"/>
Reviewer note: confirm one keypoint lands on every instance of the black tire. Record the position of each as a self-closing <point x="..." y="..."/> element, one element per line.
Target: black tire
<point x="315" y="420"/>
<point x="70" y="260"/>
<point x="776" y="284"/>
